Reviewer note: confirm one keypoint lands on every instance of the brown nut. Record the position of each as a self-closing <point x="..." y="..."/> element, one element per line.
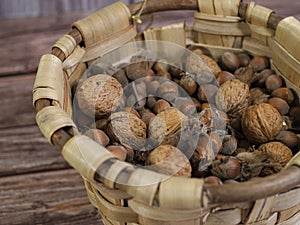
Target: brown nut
<point x="168" y="90"/>
<point x="224" y="76"/>
<point x="101" y="124"/>
<point x="233" y="97"/>
<point x="229" y="145"/>
<point x="258" y="95"/>
<point x="294" y="115"/>
<point x="273" y="82"/>
<point x="207" y="92"/>
<point x="281" y="105"/>
<point x="212" y="180"/>
<point x="188" y="83"/>
<point x="246" y="75"/>
<point x="213" y="119"/>
<point x="127" y="129"/>
<point x="169" y="160"/>
<point x="284" y="93"/>
<point x="98" y="135"/>
<point x="277" y="153"/>
<point x="161" y="65"/>
<point x="263" y="75"/>
<point x="230" y="61"/>
<point x="261" y="123"/>
<point x="216" y="142"/>
<point x="120" y="75"/>
<point x="118" y="151"/>
<point x="146" y="117"/>
<point x="228" y="168"/>
<point x="164" y="74"/>
<point x="131" y="110"/>
<point x="244" y="59"/>
<point x="288" y="138"/>
<point x="99" y="95"/>
<point x="165" y="124"/>
<point x="152" y="87"/>
<point x="185" y="105"/>
<point x="197" y="104"/>
<point x="259" y="63"/>
<point x="138" y="67"/>
<point x="160" y="106"/>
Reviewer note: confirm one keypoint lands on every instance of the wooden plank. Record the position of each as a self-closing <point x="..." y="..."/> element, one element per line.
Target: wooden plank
<point x="16" y="98"/>
<point x="57" y="197"/>
<point x="24" y="150"/>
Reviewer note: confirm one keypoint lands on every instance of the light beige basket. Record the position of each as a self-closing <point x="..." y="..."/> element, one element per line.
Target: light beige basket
<point x="122" y="192"/>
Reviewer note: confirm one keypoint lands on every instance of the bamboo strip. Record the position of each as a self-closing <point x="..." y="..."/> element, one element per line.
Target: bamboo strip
<point x="74" y="58"/>
<point x="261" y="210"/>
<point x="90" y="193"/>
<point x="165" y="214"/>
<point x="180" y="193"/>
<point x="85" y="155"/>
<point x="227" y="8"/>
<point x="143" y="185"/>
<point x="206" y="6"/>
<point x="52" y="118"/>
<point x="228" y="217"/>
<point x="104" y="46"/>
<point x="104" y="23"/>
<point x="113" y="212"/>
<point x="287" y="214"/>
<point x="287" y="200"/>
<point x="260" y="16"/>
<point x="292" y="221"/>
<point x="287" y="35"/>
<point x="49" y="81"/>
<point x="256" y="47"/>
<point x="112" y="193"/>
<point x="272" y="220"/>
<point x="66" y="44"/>
<point x="76" y="75"/>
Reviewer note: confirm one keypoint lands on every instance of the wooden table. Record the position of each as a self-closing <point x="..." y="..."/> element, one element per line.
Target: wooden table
<point x="36" y="185"/>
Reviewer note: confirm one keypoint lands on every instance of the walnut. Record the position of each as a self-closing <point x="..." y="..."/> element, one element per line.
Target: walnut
<point x="199" y="62"/>
<point x="165" y="124"/>
<point x="277" y="153"/>
<point x="261" y="123"/>
<point x="233" y="97"/>
<point x="127" y="129"/>
<point x="99" y="95"/>
<point x="169" y="160"/>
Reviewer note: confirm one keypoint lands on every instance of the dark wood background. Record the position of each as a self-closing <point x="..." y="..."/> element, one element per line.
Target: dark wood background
<point x="36" y="185"/>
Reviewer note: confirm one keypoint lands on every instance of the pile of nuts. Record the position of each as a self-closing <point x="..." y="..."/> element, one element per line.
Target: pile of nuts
<point x="225" y="120"/>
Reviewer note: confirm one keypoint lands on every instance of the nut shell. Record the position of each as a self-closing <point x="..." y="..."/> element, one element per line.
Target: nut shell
<point x="261" y="123"/>
<point x="99" y="95"/>
<point x="127" y="129"/>
<point x="198" y="62"/>
<point x="169" y="160"/>
<point x="233" y="97"/>
<point x="277" y="153"/>
<point x="165" y="124"/>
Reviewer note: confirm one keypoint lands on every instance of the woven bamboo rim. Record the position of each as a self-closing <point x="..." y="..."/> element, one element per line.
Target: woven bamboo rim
<point x="62" y="133"/>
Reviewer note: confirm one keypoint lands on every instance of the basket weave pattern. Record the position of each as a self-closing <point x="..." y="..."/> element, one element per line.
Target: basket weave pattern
<point x="122" y="192"/>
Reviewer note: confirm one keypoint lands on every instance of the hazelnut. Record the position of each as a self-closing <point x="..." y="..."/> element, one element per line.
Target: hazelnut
<point x="277" y="153"/>
<point x="216" y="142"/>
<point x="213" y="119"/>
<point x="118" y="151"/>
<point x="168" y="90"/>
<point x="261" y="123"/>
<point x="230" y="61"/>
<point x="127" y="129"/>
<point x="131" y="110"/>
<point x="280" y="105"/>
<point x="212" y="180"/>
<point x="233" y="97"/>
<point x="185" y="105"/>
<point x="229" y="145"/>
<point x="120" y="75"/>
<point x="228" y="168"/>
<point x="294" y="115"/>
<point x="284" y="93"/>
<point x="257" y="95"/>
<point x="244" y="59"/>
<point x="160" y="106"/>
<point x="146" y="117"/>
<point x="273" y="82"/>
<point x="263" y="75"/>
<point x="151" y="100"/>
<point x="207" y="92"/>
<point x="101" y="124"/>
<point x="259" y="63"/>
<point x="197" y="104"/>
<point x="152" y="87"/>
<point x="205" y="77"/>
<point x="169" y="160"/>
<point x="246" y="75"/>
<point x="188" y="83"/>
<point x="176" y="72"/>
<point x="288" y="138"/>
<point x="161" y="65"/>
<point x="138" y="67"/>
<point x="224" y="76"/>
<point x="98" y="136"/>
<point x="164" y="74"/>
<point x="99" y="95"/>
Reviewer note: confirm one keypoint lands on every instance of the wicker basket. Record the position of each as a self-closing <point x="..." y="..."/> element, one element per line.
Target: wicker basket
<point x="122" y="192"/>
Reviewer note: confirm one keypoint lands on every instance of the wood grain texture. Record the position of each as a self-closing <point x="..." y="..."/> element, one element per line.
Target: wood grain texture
<point x="46" y="198"/>
<point x="25" y="150"/>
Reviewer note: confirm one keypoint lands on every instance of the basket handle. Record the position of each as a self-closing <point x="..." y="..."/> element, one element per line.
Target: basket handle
<point x="152" y="6"/>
